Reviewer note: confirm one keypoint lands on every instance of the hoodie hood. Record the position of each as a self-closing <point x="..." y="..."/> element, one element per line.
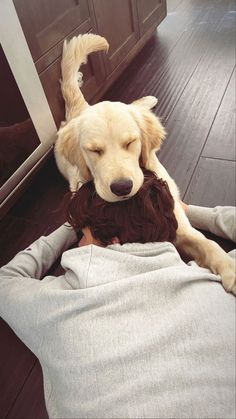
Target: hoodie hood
<point x="93" y="265"/>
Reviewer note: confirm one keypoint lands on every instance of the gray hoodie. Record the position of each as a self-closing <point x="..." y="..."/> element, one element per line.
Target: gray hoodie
<point x="128" y="331"/>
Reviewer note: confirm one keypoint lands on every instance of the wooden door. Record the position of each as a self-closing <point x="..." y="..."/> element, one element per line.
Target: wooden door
<point x="117" y="22"/>
<point x="150" y="13"/>
<point x="45" y="25"/>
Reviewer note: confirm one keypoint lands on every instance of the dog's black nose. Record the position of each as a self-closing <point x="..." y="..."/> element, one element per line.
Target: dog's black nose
<point x="121" y="187"/>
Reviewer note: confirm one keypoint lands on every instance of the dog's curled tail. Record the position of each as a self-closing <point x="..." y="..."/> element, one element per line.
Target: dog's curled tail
<point x="75" y="54"/>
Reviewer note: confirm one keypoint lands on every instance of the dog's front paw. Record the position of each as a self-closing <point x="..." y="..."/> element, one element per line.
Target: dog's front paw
<point x="228" y="275"/>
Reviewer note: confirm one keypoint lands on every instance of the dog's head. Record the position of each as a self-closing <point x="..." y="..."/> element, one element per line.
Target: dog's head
<point x="109" y="142"/>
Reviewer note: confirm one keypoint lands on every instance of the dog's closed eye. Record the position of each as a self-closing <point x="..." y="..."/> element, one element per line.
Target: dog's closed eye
<point x="98" y="151"/>
<point x="128" y="144"/>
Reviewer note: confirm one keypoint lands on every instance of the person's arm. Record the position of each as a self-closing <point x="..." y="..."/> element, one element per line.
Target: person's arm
<point x="19" y="289"/>
<point x="36" y="259"/>
<point x="219" y="220"/>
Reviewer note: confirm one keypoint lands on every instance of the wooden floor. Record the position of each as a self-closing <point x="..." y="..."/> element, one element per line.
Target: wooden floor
<point x="189" y="65"/>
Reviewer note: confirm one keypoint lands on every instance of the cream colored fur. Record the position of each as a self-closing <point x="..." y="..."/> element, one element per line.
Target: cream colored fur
<point x="112" y="140"/>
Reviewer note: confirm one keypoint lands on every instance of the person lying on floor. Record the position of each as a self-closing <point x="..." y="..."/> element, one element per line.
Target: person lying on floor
<point x="129" y="330"/>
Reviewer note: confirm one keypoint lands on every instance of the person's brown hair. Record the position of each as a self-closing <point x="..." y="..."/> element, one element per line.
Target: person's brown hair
<point x="145" y="217"/>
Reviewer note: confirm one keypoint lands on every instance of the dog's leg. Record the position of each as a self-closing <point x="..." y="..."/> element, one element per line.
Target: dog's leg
<point x="190" y="241"/>
<point x="73" y="184"/>
<point x="70" y="172"/>
<point x="206" y="253"/>
<point x="75" y="180"/>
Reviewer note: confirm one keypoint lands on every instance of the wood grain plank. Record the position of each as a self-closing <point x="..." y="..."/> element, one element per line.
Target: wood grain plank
<point x="33" y="392"/>
<point x="213" y="183"/>
<point x="16" y="362"/>
<point x="42" y="200"/>
<point x="195" y="111"/>
<point x="221" y="140"/>
<point x="147" y="65"/>
<point x="172" y="5"/>
<point x="175" y="72"/>
<point x="167" y="63"/>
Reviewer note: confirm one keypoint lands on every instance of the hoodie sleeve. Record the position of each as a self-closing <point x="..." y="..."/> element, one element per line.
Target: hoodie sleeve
<point x="36" y="259"/>
<point x="19" y="289"/>
<point x="219" y="220"/>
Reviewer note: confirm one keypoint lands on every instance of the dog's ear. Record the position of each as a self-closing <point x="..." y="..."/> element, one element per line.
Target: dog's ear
<point x="68" y="145"/>
<point x="152" y="134"/>
<point x="146" y="102"/>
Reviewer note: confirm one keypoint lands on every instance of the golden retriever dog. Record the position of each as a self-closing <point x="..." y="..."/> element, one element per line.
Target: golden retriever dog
<point x="109" y="142"/>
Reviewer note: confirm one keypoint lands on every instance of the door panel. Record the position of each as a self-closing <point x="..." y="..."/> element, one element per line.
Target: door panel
<point x="150" y="13"/>
<point x="121" y="30"/>
<point x="45" y="23"/>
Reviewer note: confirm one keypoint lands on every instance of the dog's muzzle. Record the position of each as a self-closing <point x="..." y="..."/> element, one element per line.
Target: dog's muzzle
<point x="121" y="187"/>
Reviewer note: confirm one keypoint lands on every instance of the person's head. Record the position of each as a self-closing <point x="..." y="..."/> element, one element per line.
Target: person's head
<point x="145" y="217"/>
